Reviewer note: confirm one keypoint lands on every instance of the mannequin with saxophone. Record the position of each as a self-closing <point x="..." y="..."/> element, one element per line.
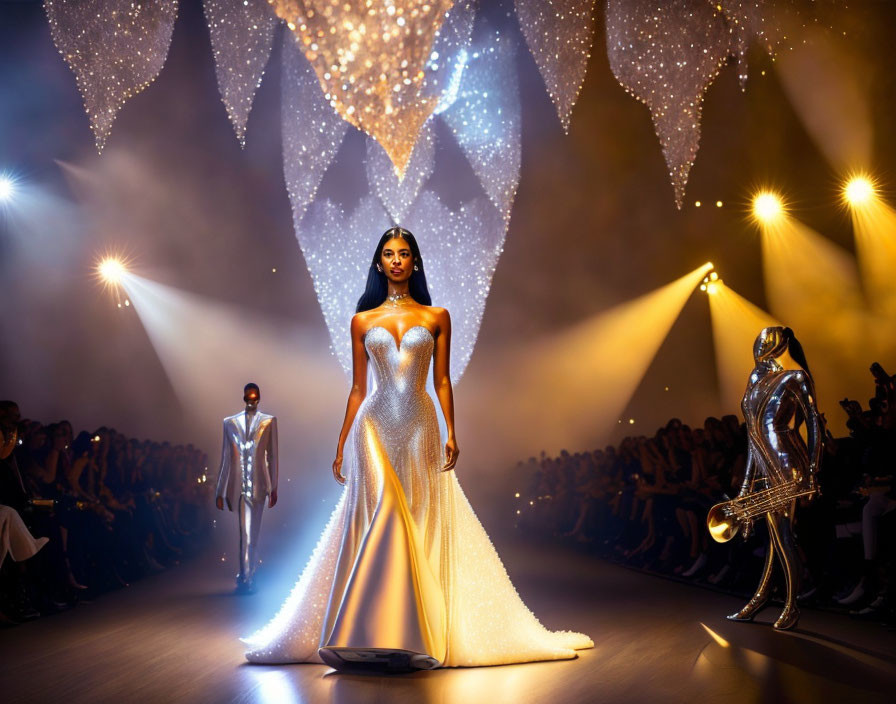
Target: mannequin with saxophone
<point x="781" y="466"/>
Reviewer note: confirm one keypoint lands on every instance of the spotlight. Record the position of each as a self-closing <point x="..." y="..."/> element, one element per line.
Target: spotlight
<point x="767" y="207"/>
<point x="859" y="190"/>
<point x="711" y="283"/>
<point x="111" y="270"/>
<point x="7" y="188"/>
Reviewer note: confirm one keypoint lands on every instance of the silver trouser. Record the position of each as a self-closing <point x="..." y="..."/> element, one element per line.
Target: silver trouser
<point x="250" y="530"/>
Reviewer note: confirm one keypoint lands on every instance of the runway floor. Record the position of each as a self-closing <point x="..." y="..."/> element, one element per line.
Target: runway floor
<point x="173" y="638"/>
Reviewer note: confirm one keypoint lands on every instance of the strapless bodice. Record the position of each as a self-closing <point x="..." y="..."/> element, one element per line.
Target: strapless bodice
<point x="399" y="369"/>
<point x="399" y="405"/>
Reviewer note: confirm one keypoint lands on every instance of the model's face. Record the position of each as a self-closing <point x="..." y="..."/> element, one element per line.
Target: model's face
<point x="251" y="398"/>
<point x="769" y="345"/>
<point x="396" y="260"/>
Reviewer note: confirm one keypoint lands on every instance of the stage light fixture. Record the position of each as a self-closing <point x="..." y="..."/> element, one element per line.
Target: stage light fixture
<point x="7" y="188"/>
<point x="767" y="207"/>
<point x="859" y="190"/>
<point x="711" y="282"/>
<point x="111" y="270"/>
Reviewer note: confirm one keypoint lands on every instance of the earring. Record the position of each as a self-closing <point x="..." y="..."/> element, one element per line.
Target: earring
<point x="379" y="268"/>
<point x="416" y="268"/>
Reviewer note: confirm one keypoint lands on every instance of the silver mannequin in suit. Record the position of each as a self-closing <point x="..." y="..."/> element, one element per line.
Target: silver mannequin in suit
<point x="248" y="476"/>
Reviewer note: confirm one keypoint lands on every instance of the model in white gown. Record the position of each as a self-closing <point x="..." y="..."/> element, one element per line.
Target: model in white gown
<point x="403" y="562"/>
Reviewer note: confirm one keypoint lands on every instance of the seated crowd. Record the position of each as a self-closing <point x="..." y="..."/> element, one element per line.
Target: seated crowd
<point x="82" y="514"/>
<point x="644" y="503"/>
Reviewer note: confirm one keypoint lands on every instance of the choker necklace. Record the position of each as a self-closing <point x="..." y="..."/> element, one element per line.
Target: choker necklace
<point x="397" y="299"/>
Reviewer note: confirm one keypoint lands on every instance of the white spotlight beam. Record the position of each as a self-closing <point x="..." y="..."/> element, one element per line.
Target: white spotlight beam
<point x="209" y="350"/>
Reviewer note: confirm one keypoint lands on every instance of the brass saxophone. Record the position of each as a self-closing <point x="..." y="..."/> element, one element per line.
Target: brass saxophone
<point x="728" y="518"/>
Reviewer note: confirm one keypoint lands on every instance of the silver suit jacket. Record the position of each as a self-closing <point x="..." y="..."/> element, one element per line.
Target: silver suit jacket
<point x="248" y="458"/>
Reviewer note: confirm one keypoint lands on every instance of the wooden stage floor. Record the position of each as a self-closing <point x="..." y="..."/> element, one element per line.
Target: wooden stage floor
<point x="172" y="637"/>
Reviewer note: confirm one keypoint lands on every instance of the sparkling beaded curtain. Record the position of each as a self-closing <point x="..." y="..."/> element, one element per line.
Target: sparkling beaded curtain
<point x="338" y="249"/>
<point x="460" y="249"/>
<point x="114" y="47"/>
<point x="666" y="53"/>
<point x="311" y="130"/>
<point x="242" y="34"/>
<point x="559" y="34"/>
<point x="485" y="118"/>
<point x="444" y="69"/>
<point x="370" y="58"/>
<point x="753" y="20"/>
<point x="397" y="194"/>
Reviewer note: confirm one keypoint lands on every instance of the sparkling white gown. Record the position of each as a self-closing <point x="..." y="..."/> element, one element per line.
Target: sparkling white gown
<point x="403" y="562"/>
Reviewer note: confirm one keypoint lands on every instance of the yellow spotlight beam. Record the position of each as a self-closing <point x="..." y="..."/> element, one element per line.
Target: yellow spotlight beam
<point x="874" y="227"/>
<point x="735" y="324"/>
<point x="809" y="280"/>
<point x="569" y="388"/>
<point x="813" y="285"/>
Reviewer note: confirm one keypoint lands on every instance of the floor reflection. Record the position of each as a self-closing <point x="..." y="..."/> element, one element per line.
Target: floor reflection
<point x="298" y="684"/>
<point x="773" y="669"/>
<point x="273" y="687"/>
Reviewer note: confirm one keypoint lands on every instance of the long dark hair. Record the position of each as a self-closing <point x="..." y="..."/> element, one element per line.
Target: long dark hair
<point x="796" y="350"/>
<point x="377" y="285"/>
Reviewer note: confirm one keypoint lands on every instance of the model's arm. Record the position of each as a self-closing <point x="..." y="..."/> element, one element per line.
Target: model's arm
<point x="356" y="395"/>
<point x="805" y="395"/>
<point x="273" y="469"/>
<point x="441" y="379"/>
<point x="223" y="473"/>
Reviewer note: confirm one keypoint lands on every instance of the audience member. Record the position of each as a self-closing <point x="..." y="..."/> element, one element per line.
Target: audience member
<point x="644" y="503"/>
<point x="108" y="509"/>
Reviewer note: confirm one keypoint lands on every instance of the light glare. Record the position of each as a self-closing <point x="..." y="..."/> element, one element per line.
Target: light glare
<point x="112" y="270"/>
<point x="7" y="188"/>
<point x="767" y="207"/>
<point x="859" y="190"/>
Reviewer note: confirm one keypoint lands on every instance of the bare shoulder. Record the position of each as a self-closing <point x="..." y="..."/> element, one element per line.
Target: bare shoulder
<point x="360" y="322"/>
<point x="440" y="317"/>
<point x="441" y="314"/>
